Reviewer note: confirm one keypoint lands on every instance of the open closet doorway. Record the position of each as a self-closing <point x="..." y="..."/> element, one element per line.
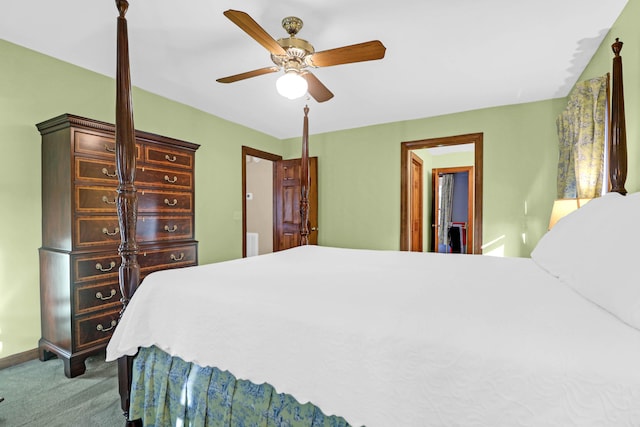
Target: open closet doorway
<point x="441" y="156"/>
<point x="257" y="201"/>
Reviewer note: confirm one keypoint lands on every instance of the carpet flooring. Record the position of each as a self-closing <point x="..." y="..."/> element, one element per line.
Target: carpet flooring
<point x="38" y="394"/>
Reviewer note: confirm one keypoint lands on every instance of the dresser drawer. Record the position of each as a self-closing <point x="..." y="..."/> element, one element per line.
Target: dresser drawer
<point x="160" y="259"/>
<point x="167" y="157"/>
<point x="101" y="266"/>
<point x="164" y="201"/>
<point x="104" y="266"/>
<point x="97" y="296"/>
<point x="165" y="178"/>
<point x="95" y="329"/>
<point x="103" y="171"/>
<point x="105" y="230"/>
<point x="96" y="199"/>
<point x="97" y="144"/>
<point x="161" y="228"/>
<point x="94" y="144"/>
<point x="96" y="230"/>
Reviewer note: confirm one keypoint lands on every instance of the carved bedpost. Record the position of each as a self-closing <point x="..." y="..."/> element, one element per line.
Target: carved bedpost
<point x="618" y="133"/>
<point x="127" y="200"/>
<point x="304" y="181"/>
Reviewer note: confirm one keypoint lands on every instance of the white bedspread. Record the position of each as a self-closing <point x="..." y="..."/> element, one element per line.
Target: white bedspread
<point x="398" y="338"/>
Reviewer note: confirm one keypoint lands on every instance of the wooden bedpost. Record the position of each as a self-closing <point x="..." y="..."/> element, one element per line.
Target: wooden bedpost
<point x="618" y="133"/>
<point x="304" y="181"/>
<point x="127" y="200"/>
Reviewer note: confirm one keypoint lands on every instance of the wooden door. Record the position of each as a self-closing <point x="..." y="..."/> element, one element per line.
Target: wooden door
<point x="416" y="203"/>
<point x="286" y="200"/>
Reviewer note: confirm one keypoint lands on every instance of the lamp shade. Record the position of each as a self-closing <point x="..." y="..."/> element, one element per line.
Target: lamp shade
<point x="563" y="207"/>
<point x="291" y="85"/>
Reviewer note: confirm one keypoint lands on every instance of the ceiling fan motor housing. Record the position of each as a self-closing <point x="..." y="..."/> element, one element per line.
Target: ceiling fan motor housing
<point x="297" y="51"/>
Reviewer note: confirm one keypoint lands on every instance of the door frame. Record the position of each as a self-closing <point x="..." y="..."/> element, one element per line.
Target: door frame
<point x="405" y="170"/>
<point x="248" y="151"/>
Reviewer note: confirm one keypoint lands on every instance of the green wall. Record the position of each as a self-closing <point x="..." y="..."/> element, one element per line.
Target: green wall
<point x="359" y="176"/>
<point x="34" y="88"/>
<point x="359" y="169"/>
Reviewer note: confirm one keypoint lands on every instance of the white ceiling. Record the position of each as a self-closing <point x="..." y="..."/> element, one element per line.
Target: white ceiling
<point x="442" y="56"/>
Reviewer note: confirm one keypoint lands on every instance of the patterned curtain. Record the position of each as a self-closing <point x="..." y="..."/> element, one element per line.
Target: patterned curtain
<point x="446" y="203"/>
<point x="581" y="133"/>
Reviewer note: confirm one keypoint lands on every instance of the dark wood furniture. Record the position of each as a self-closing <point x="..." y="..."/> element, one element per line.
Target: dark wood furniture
<point x="79" y="262"/>
<point x="126" y="170"/>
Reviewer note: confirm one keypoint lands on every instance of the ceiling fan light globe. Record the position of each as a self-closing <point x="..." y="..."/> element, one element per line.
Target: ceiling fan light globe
<point x="291" y="85"/>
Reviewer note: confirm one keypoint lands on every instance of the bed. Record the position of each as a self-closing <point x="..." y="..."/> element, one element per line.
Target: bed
<point x="383" y="338"/>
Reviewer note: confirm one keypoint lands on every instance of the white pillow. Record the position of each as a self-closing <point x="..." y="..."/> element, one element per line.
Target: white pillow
<point x="594" y="250"/>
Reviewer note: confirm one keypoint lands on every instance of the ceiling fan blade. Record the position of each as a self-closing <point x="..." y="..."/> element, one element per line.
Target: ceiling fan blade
<point x="316" y="89"/>
<point x="248" y="74"/>
<point x="251" y="27"/>
<point x="367" y="51"/>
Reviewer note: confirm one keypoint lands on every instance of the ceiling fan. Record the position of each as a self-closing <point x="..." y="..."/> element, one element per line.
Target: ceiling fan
<point x="296" y="56"/>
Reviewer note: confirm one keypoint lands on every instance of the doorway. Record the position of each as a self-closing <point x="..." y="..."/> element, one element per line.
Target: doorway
<point x="474" y="142"/>
<point x="271" y="191"/>
<point x="257" y="201"/>
<point x="452" y="210"/>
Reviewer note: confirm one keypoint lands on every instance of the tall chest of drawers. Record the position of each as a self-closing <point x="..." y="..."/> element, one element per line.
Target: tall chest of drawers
<point x="79" y="261"/>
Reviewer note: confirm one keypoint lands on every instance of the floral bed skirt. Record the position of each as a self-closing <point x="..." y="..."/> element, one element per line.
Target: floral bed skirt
<point x="167" y="391"/>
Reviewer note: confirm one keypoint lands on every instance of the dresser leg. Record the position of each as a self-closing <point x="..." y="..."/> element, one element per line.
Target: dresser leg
<point x="74" y="363"/>
<point x="74" y="366"/>
<point x="45" y="355"/>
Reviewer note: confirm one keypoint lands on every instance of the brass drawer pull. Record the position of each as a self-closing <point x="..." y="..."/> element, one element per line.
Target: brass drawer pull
<point x="168" y="203"/>
<point x="103" y="298"/>
<point x="107" y="201"/>
<point x="170" y="158"/>
<point x="106" y="172"/>
<point x="172" y="229"/>
<point x="112" y="264"/>
<point x="108" y="149"/>
<point x="115" y="231"/>
<point x="103" y="329"/>
<point x="175" y="258"/>
<point x="169" y="180"/>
